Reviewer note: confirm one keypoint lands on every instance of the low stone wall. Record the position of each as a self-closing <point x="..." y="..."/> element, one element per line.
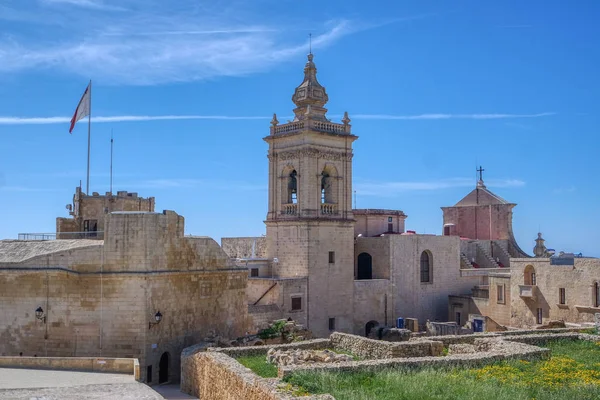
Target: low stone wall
<point x="539" y="331"/>
<point x="128" y="366"/>
<point x="376" y="349"/>
<point x="512" y="350"/>
<point x="235" y="352"/>
<point x="188" y="374"/>
<point x="507" y="335"/>
<point x="221" y="377"/>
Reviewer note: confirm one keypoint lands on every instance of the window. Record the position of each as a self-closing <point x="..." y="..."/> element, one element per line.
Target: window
<point x="533" y="280"/>
<point x="365" y="266"/>
<point x="253" y="272"/>
<point x="529" y="275"/>
<point x="149" y="374"/>
<point x="332" y="324"/>
<point x="296" y="303"/>
<point x="292" y="188"/>
<point x="458" y="319"/>
<point x="425" y="267"/>
<point x="596" y="295"/>
<point x="562" y="298"/>
<point x="390" y="219"/>
<point x="331" y="257"/>
<point x="539" y="315"/>
<point x="91" y="226"/>
<point x="500" y="289"/>
<point x="390" y="227"/>
<point x="446" y="231"/>
<point x="325" y="188"/>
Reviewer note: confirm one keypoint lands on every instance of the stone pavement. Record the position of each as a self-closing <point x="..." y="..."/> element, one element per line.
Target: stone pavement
<point x="29" y="384"/>
<point x="172" y="391"/>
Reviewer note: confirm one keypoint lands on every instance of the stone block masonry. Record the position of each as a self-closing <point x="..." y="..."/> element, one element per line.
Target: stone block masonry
<point x="376" y="349"/>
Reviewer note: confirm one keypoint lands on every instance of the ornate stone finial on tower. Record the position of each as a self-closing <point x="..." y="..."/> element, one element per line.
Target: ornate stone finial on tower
<point x="346" y="120"/>
<point x="310" y="92"/>
<point x="540" y="250"/>
<point x="274" y="121"/>
<point x="480" y="181"/>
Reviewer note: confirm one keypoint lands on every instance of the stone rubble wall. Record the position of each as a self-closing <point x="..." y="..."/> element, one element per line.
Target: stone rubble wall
<point x="513" y="350"/>
<point x="376" y="349"/>
<point x="507" y="335"/>
<point x="220" y="377"/>
<point x="236" y="352"/>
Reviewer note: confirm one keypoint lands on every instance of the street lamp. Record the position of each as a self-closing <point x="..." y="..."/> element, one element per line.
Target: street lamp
<point x="39" y="314"/>
<point x="157" y="317"/>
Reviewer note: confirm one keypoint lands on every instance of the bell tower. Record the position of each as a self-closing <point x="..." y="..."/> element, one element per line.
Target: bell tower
<point x="310" y="226"/>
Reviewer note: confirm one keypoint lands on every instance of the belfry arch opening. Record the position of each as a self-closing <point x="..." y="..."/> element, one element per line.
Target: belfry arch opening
<point x="329" y="185"/>
<point x="289" y="185"/>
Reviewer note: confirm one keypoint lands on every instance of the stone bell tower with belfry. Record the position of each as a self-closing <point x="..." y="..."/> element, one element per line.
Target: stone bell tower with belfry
<point x="310" y="226"/>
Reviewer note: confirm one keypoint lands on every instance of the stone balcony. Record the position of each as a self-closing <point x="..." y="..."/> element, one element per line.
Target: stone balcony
<point x="528" y="291"/>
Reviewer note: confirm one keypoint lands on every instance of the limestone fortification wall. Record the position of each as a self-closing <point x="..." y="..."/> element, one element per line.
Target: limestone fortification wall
<point x="377" y="349"/>
<point x="219" y="377"/>
<point x="99" y="296"/>
<point x="128" y="366"/>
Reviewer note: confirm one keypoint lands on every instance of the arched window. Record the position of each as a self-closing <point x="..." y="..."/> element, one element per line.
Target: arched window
<point x="325" y="188"/>
<point x="292" y="188"/>
<point x="529" y="276"/>
<point x="365" y="266"/>
<point x="425" y="267"/>
<point x="329" y="186"/>
<point x="596" y="294"/>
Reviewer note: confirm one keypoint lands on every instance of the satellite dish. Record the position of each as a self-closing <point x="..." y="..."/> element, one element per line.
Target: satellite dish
<point x="69" y="207"/>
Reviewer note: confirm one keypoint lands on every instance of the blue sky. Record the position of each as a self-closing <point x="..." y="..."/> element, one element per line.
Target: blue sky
<point x="433" y="89"/>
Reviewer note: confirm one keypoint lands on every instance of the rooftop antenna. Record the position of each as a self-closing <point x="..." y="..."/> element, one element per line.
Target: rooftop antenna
<point x="310" y="43"/>
<point x="111" y="161"/>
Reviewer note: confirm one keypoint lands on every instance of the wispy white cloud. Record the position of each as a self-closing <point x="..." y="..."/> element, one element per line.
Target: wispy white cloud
<point x="153" y="41"/>
<point x="562" y="190"/>
<point x="94" y="4"/>
<point x="449" y="116"/>
<point x="386" y="189"/>
<point x="186" y="183"/>
<point x="139" y="118"/>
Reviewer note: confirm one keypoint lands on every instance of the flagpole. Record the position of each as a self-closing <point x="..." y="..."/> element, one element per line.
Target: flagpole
<point x="87" y="186"/>
<point x="111" y="160"/>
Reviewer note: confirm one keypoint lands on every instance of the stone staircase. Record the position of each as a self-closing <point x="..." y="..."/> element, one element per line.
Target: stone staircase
<point x="489" y="261"/>
<point x="464" y="261"/>
<point x="504" y="254"/>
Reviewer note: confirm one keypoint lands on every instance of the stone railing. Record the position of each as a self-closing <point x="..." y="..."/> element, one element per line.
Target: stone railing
<point x="328" y="209"/>
<point x="289" y="209"/>
<point x="321" y="126"/>
<point x="286" y="128"/>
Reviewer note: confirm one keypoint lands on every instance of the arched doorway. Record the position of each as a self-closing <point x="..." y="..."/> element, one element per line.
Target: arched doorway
<point x="365" y="266"/>
<point x="369" y="327"/>
<point x="163" y="368"/>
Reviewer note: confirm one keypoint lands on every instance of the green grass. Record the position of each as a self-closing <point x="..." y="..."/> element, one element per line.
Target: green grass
<point x="259" y="365"/>
<point x="573" y="373"/>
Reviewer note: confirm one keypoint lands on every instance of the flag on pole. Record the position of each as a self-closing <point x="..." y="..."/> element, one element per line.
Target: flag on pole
<point x="83" y="108"/>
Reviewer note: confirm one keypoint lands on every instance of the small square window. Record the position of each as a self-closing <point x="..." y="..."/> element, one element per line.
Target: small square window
<point x="331" y="257"/>
<point x="390" y="219"/>
<point x="296" y="303"/>
<point x="562" y="296"/>
<point x="332" y="324"/>
<point x="253" y="272"/>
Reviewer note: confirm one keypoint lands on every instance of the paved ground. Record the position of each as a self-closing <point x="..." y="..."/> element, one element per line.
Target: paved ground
<point x="172" y="392"/>
<point x="29" y="384"/>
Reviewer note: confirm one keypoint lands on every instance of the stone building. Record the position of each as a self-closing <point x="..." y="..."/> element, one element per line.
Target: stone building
<point x="144" y="291"/>
<point x="332" y="267"/>
<point x="537" y="290"/>
<point x="88" y="213"/>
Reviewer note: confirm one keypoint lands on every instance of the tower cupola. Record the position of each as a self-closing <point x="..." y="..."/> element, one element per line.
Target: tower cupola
<point x="310" y="97"/>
